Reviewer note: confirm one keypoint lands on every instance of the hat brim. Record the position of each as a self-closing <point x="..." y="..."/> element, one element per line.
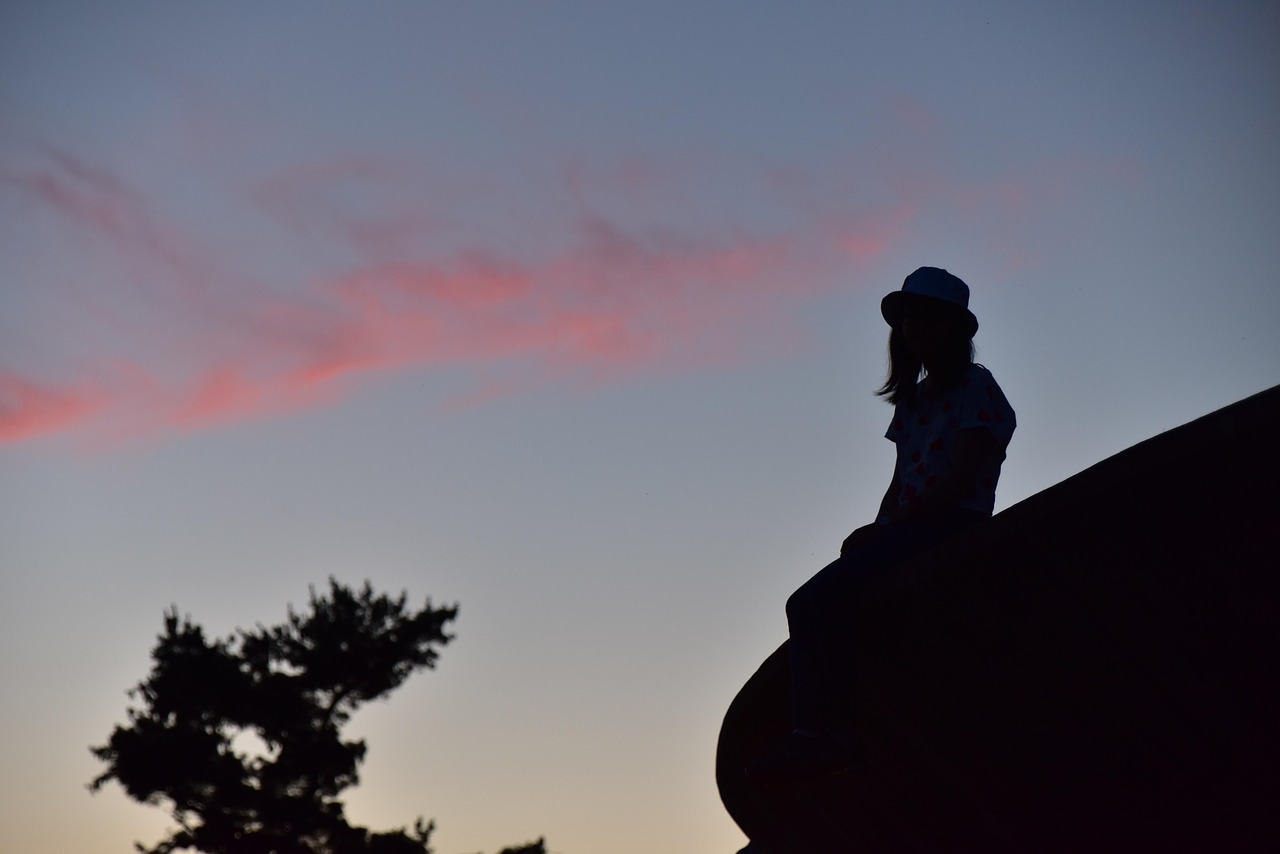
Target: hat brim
<point x="895" y="302"/>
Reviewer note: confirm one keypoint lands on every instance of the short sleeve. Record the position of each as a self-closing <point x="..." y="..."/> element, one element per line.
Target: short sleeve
<point x="984" y="405"/>
<point x="896" y="431"/>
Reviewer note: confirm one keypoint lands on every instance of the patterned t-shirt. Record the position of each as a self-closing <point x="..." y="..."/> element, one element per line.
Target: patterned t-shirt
<point x="926" y="434"/>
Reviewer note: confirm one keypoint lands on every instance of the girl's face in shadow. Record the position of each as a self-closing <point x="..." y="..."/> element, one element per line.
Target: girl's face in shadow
<point x="929" y="327"/>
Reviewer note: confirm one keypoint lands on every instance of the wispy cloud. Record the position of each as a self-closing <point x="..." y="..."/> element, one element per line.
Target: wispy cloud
<point x="613" y="297"/>
<point x="91" y="197"/>
<point x="29" y="409"/>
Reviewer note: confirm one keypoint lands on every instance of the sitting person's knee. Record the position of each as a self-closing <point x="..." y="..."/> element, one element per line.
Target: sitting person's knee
<point x="807" y="601"/>
<point x="813" y="597"/>
<point x="797" y="605"/>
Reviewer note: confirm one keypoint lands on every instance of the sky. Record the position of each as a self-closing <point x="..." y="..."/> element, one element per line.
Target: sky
<point x="567" y="313"/>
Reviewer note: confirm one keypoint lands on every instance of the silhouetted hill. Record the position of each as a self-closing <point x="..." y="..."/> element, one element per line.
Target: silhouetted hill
<point x="1094" y="669"/>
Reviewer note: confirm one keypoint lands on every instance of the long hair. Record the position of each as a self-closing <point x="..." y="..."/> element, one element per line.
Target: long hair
<point x="905" y="367"/>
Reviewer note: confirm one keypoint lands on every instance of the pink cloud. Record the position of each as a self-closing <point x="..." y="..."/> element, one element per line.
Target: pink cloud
<point x="612" y="302"/>
<point x="29" y="410"/>
<point x="93" y="198"/>
<point x="602" y="311"/>
<point x="636" y="264"/>
<point x="865" y="238"/>
<point x="330" y="200"/>
<point x="219" y="395"/>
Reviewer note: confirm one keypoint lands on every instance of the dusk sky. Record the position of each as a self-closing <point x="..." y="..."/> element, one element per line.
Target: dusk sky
<point x="567" y="313"/>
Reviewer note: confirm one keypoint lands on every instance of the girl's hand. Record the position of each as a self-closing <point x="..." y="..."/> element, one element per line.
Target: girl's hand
<point x="858" y="537"/>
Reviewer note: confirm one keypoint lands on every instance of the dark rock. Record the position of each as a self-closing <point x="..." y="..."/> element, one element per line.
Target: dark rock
<point x="1093" y="669"/>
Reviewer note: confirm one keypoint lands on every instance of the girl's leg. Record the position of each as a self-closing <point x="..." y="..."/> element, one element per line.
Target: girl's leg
<point x="819" y="618"/>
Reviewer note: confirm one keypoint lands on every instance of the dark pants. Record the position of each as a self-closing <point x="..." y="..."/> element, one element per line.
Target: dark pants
<point x="819" y="615"/>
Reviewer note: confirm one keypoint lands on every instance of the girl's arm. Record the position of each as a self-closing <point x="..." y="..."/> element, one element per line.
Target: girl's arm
<point x="889" y="504"/>
<point x="973" y="445"/>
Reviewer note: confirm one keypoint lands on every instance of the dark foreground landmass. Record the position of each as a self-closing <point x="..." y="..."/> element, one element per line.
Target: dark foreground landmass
<point x="1094" y="669"/>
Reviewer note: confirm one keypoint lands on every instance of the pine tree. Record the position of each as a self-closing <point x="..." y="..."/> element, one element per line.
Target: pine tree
<point x="293" y="686"/>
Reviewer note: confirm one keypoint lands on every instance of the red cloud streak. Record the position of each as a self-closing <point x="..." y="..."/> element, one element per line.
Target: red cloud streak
<point x="615" y="303"/>
<point x="29" y="410"/>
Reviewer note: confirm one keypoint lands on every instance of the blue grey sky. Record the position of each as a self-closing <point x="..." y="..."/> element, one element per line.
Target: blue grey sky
<point x="569" y="313"/>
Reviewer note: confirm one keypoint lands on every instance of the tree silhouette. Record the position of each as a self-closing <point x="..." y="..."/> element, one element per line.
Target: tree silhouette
<point x="293" y="686"/>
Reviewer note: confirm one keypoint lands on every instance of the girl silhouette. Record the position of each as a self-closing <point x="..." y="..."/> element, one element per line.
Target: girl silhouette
<point x="951" y="429"/>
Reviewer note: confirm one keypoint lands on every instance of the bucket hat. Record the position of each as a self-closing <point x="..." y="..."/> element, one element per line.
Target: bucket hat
<point x="929" y="283"/>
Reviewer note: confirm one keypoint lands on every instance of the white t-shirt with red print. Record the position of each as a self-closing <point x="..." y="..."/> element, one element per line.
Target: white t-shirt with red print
<point x="926" y="434"/>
